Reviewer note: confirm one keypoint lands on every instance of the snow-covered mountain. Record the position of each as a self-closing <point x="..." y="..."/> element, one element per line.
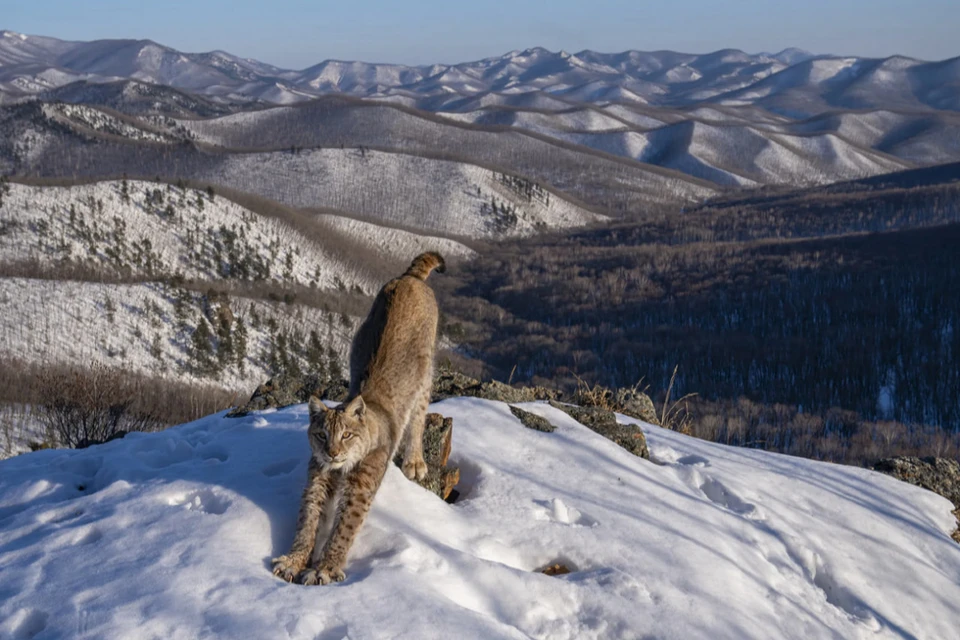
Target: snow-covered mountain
<point x="701" y="541"/>
<point x="722" y="119"/>
<point x="810" y="84"/>
<point x="142" y="236"/>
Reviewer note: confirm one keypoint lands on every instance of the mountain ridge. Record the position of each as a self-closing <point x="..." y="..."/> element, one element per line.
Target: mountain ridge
<point x="32" y="64"/>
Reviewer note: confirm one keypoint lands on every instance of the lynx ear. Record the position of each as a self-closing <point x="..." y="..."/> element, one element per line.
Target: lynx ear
<point x="317" y="407"/>
<point x="356" y="407"/>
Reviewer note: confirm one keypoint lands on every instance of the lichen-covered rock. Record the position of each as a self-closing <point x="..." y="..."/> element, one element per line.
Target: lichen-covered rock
<point x="532" y="420"/>
<point x="604" y="422"/>
<point x="449" y="384"/>
<point x="940" y="475"/>
<point x="437" y="442"/>
<point x="636" y="404"/>
<point x="437" y="439"/>
<point x="284" y="390"/>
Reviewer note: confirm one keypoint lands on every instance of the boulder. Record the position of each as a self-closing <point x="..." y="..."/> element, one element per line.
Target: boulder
<point x="532" y="420"/>
<point x="285" y="390"/>
<point x="940" y="475"/>
<point x="636" y="404"/>
<point x="604" y="422"/>
<point x="450" y="384"/>
<point x="437" y="442"/>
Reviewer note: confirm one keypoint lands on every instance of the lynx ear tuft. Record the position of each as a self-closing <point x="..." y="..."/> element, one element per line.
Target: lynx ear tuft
<point x="356" y="407"/>
<point x="317" y="407"/>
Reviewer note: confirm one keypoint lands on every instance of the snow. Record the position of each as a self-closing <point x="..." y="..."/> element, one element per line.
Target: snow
<point x="435" y="197"/>
<point x="184" y="240"/>
<point x="67" y="322"/>
<point x="170" y="535"/>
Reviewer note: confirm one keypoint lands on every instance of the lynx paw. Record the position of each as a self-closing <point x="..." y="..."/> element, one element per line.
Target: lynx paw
<point x="322" y="576"/>
<point x="415" y="469"/>
<point x="286" y="568"/>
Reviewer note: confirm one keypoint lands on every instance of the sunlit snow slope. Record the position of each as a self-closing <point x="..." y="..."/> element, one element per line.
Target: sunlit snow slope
<point x="170" y="535"/>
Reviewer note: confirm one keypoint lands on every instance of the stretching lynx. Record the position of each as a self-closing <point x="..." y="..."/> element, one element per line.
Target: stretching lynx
<point x="391" y="373"/>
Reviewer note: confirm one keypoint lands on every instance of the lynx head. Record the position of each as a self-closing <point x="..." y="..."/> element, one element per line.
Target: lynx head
<point x="338" y="437"/>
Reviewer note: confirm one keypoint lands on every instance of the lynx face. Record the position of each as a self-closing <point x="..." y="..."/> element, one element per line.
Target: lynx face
<point x="338" y="437"/>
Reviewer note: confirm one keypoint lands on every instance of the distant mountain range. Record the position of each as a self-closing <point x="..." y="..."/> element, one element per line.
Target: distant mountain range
<point x="793" y="82"/>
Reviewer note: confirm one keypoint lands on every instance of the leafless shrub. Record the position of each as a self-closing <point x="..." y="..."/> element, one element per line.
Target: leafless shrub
<point x="82" y="406"/>
<point x="86" y="406"/>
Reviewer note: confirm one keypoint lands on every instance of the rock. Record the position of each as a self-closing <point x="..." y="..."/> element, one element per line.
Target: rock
<point x="284" y="390"/>
<point x="940" y="475"/>
<point x="532" y="420"/>
<point x="557" y="569"/>
<point x="636" y="404"/>
<point x="449" y="384"/>
<point x="437" y="439"/>
<point x="604" y="422"/>
<point x="437" y="442"/>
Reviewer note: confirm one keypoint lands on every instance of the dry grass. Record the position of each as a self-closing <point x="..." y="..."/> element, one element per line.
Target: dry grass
<point x="676" y="415"/>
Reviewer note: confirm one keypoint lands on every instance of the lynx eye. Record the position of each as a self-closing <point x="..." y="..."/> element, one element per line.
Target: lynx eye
<point x="320" y="436"/>
<point x="347" y="436"/>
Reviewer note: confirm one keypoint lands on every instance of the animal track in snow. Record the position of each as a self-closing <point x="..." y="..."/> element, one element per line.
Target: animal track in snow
<point x="158" y="454"/>
<point x="812" y="566"/>
<point x="55" y="517"/>
<point x="90" y="535"/>
<point x="280" y="468"/>
<point x="557" y="510"/>
<point x="214" y="453"/>
<point x="204" y="501"/>
<point x="665" y="456"/>
<point x="719" y="494"/>
<point x="613" y="581"/>
<point x="27" y="623"/>
<point x="471" y="477"/>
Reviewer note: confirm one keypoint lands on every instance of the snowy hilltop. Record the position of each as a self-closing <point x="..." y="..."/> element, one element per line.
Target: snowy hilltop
<point x="169" y="535"/>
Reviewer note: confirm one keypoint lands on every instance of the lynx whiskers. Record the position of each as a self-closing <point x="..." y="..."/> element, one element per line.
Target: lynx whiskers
<point x="391" y="372"/>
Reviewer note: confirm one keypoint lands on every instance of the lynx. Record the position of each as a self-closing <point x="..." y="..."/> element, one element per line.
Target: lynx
<point x="391" y="374"/>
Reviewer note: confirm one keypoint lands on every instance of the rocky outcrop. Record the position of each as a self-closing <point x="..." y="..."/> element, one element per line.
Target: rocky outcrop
<point x="940" y="475"/>
<point x="532" y="420"/>
<point x="635" y="404"/>
<point x="604" y="422"/>
<point x="284" y="390"/>
<point x="437" y="442"/>
<point x="281" y="391"/>
<point x="452" y="384"/>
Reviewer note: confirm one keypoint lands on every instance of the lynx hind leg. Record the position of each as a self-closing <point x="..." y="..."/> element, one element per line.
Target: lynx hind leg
<point x="316" y="495"/>
<point x="414" y="466"/>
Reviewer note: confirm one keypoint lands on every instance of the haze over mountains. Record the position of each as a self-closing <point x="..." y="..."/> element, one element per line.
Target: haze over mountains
<point x="32" y="64"/>
<point x="724" y="119"/>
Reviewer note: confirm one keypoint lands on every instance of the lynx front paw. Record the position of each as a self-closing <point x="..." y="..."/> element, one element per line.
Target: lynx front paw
<point x="286" y="568"/>
<point x="415" y="469"/>
<point x="321" y="576"/>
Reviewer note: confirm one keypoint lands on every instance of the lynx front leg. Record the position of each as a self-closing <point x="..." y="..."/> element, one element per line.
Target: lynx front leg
<point x="321" y="484"/>
<point x="360" y="487"/>
<point x="414" y="466"/>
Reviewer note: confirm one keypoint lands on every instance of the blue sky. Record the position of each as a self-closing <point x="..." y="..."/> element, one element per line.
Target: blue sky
<point x="299" y="33"/>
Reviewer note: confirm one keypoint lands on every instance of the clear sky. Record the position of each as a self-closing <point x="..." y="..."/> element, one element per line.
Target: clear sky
<point x="299" y="33"/>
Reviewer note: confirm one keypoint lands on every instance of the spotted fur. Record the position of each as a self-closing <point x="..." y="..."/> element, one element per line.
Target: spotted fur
<point x="391" y="373"/>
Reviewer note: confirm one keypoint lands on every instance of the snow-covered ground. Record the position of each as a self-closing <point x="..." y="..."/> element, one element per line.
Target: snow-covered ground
<point x="436" y="197"/>
<point x="138" y="327"/>
<point x="161" y="229"/>
<point x="170" y="535"/>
